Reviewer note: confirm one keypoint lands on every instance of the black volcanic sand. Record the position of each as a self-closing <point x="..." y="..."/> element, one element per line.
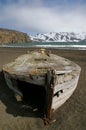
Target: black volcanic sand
<point x="16" y="116"/>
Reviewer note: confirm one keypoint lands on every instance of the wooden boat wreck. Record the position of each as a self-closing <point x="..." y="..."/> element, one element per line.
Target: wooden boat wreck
<point x="50" y="76"/>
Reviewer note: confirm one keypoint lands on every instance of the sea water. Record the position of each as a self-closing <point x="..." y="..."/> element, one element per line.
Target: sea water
<point x="54" y="45"/>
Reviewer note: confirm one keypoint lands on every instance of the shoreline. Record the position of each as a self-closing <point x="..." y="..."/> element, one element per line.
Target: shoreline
<point x="61" y="47"/>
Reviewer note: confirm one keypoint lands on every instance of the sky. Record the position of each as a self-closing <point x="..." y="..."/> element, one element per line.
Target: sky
<point x="42" y="16"/>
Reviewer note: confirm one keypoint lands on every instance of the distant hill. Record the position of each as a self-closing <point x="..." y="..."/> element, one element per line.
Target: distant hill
<point x="12" y="36"/>
<point x="60" y="37"/>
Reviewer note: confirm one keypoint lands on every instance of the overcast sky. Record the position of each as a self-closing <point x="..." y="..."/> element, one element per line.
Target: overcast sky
<point x="41" y="16"/>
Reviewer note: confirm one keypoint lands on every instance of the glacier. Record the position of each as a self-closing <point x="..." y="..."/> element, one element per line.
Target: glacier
<point x="59" y="37"/>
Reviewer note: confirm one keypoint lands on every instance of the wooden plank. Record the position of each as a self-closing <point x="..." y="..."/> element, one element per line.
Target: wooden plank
<point x="49" y="87"/>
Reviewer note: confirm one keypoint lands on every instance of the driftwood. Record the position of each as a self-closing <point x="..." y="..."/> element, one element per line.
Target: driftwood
<point x="49" y="87"/>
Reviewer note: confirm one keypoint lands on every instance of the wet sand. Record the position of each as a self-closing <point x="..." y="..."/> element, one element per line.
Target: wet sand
<point x="70" y="116"/>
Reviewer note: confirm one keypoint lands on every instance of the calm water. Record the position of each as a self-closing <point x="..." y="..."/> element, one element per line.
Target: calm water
<point x="55" y="45"/>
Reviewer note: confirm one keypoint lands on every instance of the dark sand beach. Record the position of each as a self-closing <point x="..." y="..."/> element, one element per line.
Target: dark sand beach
<point x="70" y="116"/>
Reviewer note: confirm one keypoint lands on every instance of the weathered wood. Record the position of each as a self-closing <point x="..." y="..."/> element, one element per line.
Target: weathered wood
<point x="49" y="87"/>
<point x="34" y="68"/>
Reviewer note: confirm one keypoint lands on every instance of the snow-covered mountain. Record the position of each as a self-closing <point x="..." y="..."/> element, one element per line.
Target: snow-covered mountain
<point x="59" y="37"/>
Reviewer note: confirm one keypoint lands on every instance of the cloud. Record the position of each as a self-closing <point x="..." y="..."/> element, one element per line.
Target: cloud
<point x="37" y="17"/>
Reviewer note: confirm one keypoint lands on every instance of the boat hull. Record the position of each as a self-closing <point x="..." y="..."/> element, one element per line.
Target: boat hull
<point x="51" y="77"/>
<point x="67" y="90"/>
<point x="63" y="89"/>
